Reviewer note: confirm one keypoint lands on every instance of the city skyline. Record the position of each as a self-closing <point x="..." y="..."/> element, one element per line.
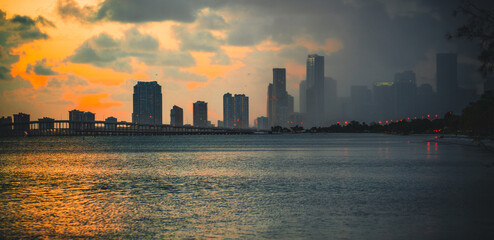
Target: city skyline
<point x="64" y="55"/>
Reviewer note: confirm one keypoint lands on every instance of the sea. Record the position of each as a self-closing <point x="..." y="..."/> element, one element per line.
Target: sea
<point x="273" y="186"/>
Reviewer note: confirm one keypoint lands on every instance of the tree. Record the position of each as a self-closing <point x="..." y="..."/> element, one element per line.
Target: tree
<point x="479" y="28"/>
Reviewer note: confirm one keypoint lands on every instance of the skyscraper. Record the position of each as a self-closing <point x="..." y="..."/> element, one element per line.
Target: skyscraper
<point x="176" y="116"/>
<point x="147" y="103"/>
<point x="303" y="96"/>
<point x="405" y="94"/>
<point x="330" y="98"/>
<point x="228" y="111"/>
<point x="447" y="82"/>
<point x="200" y="109"/>
<point x="241" y="111"/>
<point x="384" y="100"/>
<point x="278" y="99"/>
<point x="315" y="89"/>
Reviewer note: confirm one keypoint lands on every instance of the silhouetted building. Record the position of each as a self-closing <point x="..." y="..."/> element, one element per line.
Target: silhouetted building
<point x="241" y="111"/>
<point x="6" y="124"/>
<point x="278" y="99"/>
<point x="21" y="122"/>
<point x="384" y="100"/>
<point x="220" y="124"/>
<point x="330" y="98"/>
<point x="46" y="123"/>
<point x="426" y="100"/>
<point x="177" y="116"/>
<point x="447" y="81"/>
<point x="290" y="104"/>
<point x="200" y="110"/>
<point x="262" y="123"/>
<point x="303" y="96"/>
<point x="315" y="89"/>
<point x="147" y="108"/>
<point x="361" y="99"/>
<point x="228" y="111"/>
<point x="79" y="120"/>
<point x="111" y="123"/>
<point x="405" y="94"/>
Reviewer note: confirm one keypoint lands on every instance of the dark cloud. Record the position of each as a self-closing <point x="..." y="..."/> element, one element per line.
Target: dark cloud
<point x="105" y="51"/>
<point x="212" y="21"/>
<point x="220" y="58"/>
<point x="14" y="32"/>
<point x="134" y="11"/>
<point x="197" y="40"/>
<point x="40" y="68"/>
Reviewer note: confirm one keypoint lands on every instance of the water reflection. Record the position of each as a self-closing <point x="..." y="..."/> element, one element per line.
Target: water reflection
<point x="305" y="186"/>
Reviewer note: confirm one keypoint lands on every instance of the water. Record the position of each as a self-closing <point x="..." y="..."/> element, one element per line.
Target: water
<point x="322" y="186"/>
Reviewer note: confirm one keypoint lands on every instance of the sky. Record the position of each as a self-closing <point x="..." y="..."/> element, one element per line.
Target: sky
<point x="59" y="55"/>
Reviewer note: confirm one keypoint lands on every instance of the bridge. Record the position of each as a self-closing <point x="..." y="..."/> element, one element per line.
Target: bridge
<point x="102" y="128"/>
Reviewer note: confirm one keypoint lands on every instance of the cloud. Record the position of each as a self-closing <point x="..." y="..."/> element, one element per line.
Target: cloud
<point x="14" y="32"/>
<point x="40" y="68"/>
<point x="220" y="58"/>
<point x="133" y="11"/>
<point x="212" y="21"/>
<point x="174" y="73"/>
<point x="198" y="40"/>
<point x="106" y="51"/>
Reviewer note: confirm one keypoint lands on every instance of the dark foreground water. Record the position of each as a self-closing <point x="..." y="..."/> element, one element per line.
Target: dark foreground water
<point x="334" y="186"/>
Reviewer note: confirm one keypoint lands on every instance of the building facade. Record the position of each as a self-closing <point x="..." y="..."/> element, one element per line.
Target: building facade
<point x="147" y="103"/>
<point x="228" y="110"/>
<point x="21" y="122"/>
<point x="200" y="111"/>
<point x="177" y="116"/>
<point x="315" y="89"/>
<point x="447" y="81"/>
<point x="241" y="111"/>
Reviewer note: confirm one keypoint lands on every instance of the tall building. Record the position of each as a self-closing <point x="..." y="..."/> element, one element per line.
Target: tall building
<point x="278" y="99"/>
<point x="111" y="123"/>
<point x="270" y="104"/>
<point x="447" y="81"/>
<point x="21" y="122"/>
<point x="176" y="116"/>
<point x="290" y="104"/>
<point x="262" y="123"/>
<point x="361" y="99"/>
<point x="79" y="120"/>
<point x="200" y="110"/>
<point x="384" y="100"/>
<point x="426" y="100"/>
<point x="6" y="124"/>
<point x="405" y="94"/>
<point x="147" y="103"/>
<point x="241" y="111"/>
<point x="228" y="111"/>
<point x="302" y="96"/>
<point x="330" y="98"/>
<point x="315" y="89"/>
<point x="46" y="123"/>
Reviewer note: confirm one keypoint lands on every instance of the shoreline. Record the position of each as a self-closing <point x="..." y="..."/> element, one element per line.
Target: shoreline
<point x="466" y="141"/>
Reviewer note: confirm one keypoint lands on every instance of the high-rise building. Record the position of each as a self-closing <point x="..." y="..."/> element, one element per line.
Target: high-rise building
<point x="290" y="104"/>
<point x="176" y="116"/>
<point x="302" y="96"/>
<point x="278" y="99"/>
<point x="147" y="103"/>
<point x="426" y="100"/>
<point x="330" y="98"/>
<point x="6" y="124"/>
<point x="262" y="123"/>
<point x="315" y="89"/>
<point x="200" y="111"/>
<point x="79" y="120"/>
<point x="228" y="111"/>
<point x="111" y="123"/>
<point x="405" y="94"/>
<point x="270" y="104"/>
<point x="361" y="99"/>
<point x="46" y="123"/>
<point x="384" y="100"/>
<point x="447" y="81"/>
<point x="21" y="122"/>
<point x="241" y="111"/>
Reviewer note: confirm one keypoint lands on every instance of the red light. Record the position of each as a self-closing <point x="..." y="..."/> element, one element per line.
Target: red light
<point x="380" y="122"/>
<point x="428" y="143"/>
<point x="436" y="115"/>
<point x="387" y="122"/>
<point x="346" y="122"/>
<point x="428" y="115"/>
